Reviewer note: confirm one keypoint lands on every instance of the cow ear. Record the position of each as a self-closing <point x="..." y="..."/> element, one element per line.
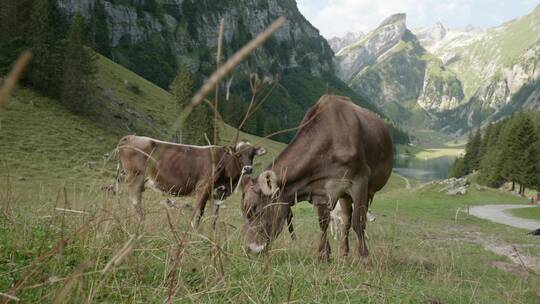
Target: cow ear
<point x="230" y="149"/>
<point x="261" y="151"/>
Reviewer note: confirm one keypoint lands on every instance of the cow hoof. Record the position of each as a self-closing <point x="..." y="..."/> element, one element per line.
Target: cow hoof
<point x="324" y="257"/>
<point x="363" y="256"/>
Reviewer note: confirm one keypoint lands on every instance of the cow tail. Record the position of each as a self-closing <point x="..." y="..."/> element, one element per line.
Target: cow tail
<point x="117" y="178"/>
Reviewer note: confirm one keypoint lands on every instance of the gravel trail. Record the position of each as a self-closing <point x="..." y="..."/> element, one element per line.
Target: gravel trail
<point x="497" y="214"/>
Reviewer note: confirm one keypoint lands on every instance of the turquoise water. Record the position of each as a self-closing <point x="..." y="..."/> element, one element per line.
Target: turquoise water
<point x="423" y="170"/>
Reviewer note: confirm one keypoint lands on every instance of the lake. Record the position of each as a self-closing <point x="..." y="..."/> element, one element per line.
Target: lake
<point x="423" y="170"/>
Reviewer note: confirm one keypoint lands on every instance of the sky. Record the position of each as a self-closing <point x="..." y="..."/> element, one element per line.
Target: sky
<point x="337" y="17"/>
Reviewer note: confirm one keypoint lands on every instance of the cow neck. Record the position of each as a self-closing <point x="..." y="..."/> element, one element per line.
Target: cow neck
<point x="293" y="169"/>
<point x="232" y="167"/>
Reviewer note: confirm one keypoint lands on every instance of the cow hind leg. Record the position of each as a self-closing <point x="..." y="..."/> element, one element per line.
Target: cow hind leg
<point x="202" y="198"/>
<point x="136" y="188"/>
<point x="359" y="217"/>
<point x="324" y="220"/>
<point x="346" y="212"/>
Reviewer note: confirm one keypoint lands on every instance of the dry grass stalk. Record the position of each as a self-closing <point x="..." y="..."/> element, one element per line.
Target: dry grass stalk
<point x="7" y="197"/>
<point x="218" y="63"/>
<point x="9" y="297"/>
<point x="117" y="259"/>
<point x="13" y="77"/>
<point x="61" y="295"/>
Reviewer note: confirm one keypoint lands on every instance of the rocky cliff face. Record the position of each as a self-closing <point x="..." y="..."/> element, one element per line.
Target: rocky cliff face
<point x="338" y="43"/>
<point x="358" y="55"/>
<point x="154" y="37"/>
<point x="190" y="29"/>
<point x="392" y="68"/>
<point x="442" y="89"/>
<point x="454" y="79"/>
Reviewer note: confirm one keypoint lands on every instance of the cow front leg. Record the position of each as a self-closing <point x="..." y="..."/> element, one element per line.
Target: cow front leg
<point x="136" y="188"/>
<point x="290" y="224"/>
<point x="359" y="218"/>
<point x="219" y="197"/>
<point x="202" y="198"/>
<point x="346" y="212"/>
<point x="324" y="219"/>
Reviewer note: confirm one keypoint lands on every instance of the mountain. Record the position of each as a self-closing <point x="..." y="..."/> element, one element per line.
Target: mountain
<point x="154" y="37"/>
<point x="337" y="43"/>
<point x="391" y="67"/>
<point x="188" y="29"/>
<point x="450" y="80"/>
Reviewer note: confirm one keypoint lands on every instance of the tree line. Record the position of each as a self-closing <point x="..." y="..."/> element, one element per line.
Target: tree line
<point x="64" y="63"/>
<point x="507" y="151"/>
<point x="62" y="67"/>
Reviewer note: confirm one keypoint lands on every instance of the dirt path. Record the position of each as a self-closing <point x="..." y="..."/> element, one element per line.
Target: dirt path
<point x="495" y="213"/>
<point x="407" y="182"/>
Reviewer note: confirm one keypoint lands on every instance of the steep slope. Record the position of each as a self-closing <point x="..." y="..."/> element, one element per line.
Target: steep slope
<point x="390" y="66"/>
<point x="154" y="37"/>
<point x="338" y="43"/>
<point x="448" y="79"/>
<point x="188" y="30"/>
<point x="498" y="69"/>
<point x="43" y="142"/>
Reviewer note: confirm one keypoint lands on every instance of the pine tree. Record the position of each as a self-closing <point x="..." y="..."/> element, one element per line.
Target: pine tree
<point x="8" y="19"/>
<point x="182" y="88"/>
<point x="199" y="126"/>
<point x="100" y="30"/>
<point x="472" y="151"/>
<point x="458" y="168"/>
<point x="527" y="158"/>
<point x="200" y="121"/>
<point x="79" y="71"/>
<point x="40" y="40"/>
<point x="45" y="73"/>
<point x="490" y="163"/>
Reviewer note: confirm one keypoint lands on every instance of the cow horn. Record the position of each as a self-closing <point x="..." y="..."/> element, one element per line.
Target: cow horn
<point x="268" y="182"/>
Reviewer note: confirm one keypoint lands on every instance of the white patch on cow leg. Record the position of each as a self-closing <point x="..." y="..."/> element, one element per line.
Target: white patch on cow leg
<point x="371" y="217"/>
<point x="256" y="248"/>
<point x="150" y="183"/>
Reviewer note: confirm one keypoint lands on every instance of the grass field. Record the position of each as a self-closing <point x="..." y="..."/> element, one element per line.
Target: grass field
<point x="419" y="252"/>
<point x="530" y="213"/>
<point x="443" y="152"/>
<point x="65" y="240"/>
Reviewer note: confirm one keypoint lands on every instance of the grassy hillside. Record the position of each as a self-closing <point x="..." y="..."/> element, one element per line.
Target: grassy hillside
<point x="41" y="140"/>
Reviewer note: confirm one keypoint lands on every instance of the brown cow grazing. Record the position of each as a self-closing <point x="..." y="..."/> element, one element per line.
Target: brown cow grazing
<point x="182" y="170"/>
<point x="341" y="151"/>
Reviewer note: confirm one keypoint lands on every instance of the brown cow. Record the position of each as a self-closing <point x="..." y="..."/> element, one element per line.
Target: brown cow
<point x="341" y="151"/>
<point x="181" y="170"/>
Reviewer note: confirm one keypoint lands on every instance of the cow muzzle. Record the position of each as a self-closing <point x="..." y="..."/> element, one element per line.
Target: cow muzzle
<point x="255" y="248"/>
<point x="247" y="169"/>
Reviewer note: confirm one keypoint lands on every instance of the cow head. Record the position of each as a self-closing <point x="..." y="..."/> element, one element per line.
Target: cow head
<point x="245" y="152"/>
<point x="264" y="215"/>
